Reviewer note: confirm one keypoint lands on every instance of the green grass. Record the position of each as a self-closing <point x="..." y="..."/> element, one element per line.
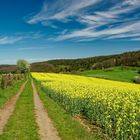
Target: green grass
<point x="67" y="127"/>
<point x="22" y="125"/>
<point x="6" y="94"/>
<point x="115" y="73"/>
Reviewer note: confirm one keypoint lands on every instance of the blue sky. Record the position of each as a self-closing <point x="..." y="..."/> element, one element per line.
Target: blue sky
<point x="38" y="30"/>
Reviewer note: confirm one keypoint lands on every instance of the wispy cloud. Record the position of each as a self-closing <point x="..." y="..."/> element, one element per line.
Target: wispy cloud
<point x="12" y="39"/>
<point x="33" y="48"/>
<point x="61" y="10"/>
<point x="116" y="19"/>
<point x="124" y="30"/>
<point x="9" y="40"/>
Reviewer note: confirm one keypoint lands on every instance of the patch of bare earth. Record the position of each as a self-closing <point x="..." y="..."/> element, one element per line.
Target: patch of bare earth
<point x="7" y="110"/>
<point x="46" y="128"/>
<point x="89" y="127"/>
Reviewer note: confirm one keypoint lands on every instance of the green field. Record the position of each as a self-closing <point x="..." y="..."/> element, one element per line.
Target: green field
<point x="116" y="73"/>
<point x="22" y="125"/>
<point x="7" y="93"/>
<point x="80" y="107"/>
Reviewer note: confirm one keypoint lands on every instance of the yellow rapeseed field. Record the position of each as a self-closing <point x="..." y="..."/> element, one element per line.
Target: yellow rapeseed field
<point x="111" y="105"/>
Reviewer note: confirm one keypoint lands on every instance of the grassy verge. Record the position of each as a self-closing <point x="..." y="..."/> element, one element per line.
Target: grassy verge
<point x="22" y="125"/>
<point x="6" y="94"/>
<point x="115" y="73"/>
<point x="67" y="127"/>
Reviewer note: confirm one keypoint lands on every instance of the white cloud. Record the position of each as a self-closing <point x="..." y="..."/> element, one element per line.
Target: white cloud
<point x="122" y="31"/>
<point x="9" y="40"/>
<point x="12" y="39"/>
<point x="105" y="23"/>
<point x="33" y="48"/>
<point x="61" y="10"/>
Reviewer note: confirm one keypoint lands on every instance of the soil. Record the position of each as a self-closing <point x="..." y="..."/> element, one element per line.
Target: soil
<point x="46" y="129"/>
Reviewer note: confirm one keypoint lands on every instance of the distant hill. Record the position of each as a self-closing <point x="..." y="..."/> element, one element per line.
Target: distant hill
<point x="42" y="67"/>
<point x="7" y="68"/>
<point x="82" y="64"/>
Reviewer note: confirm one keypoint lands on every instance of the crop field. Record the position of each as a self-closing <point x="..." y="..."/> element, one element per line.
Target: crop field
<point x="112" y="106"/>
<point x="70" y="70"/>
<point x="23" y="106"/>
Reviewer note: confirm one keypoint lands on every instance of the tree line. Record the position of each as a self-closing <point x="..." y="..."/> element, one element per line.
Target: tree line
<point x="22" y="72"/>
<point x="99" y="62"/>
<point x="77" y="65"/>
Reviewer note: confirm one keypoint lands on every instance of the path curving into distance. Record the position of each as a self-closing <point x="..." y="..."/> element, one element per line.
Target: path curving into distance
<point x="7" y="110"/>
<point x="46" y="128"/>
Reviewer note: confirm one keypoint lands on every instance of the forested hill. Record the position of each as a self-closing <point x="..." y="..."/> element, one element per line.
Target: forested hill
<point x="74" y="65"/>
<point x="7" y="68"/>
<point x="99" y="62"/>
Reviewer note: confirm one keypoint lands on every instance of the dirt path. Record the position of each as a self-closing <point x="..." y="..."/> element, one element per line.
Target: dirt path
<point x="46" y="129"/>
<point x="8" y="108"/>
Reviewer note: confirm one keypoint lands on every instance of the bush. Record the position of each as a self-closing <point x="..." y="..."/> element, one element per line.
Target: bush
<point x="8" y="79"/>
<point x="139" y="71"/>
<point x="136" y="79"/>
<point x="3" y="82"/>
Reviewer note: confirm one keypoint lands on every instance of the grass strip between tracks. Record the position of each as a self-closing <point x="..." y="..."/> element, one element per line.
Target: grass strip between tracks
<point x="22" y="124"/>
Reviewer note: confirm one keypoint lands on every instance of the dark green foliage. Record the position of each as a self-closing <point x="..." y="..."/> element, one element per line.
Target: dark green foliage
<point x="139" y="71"/>
<point x="76" y="65"/>
<point x="42" y="66"/>
<point x="105" y="64"/>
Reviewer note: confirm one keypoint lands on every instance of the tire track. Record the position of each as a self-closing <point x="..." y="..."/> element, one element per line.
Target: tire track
<point x="7" y="110"/>
<point x="46" y="128"/>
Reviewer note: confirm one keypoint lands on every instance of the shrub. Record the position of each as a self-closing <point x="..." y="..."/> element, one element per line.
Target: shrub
<point x="8" y="79"/>
<point x="3" y="81"/>
<point x="139" y="71"/>
<point x="136" y="79"/>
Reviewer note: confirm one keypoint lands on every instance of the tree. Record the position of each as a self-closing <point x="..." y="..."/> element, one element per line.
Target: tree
<point x="23" y="66"/>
